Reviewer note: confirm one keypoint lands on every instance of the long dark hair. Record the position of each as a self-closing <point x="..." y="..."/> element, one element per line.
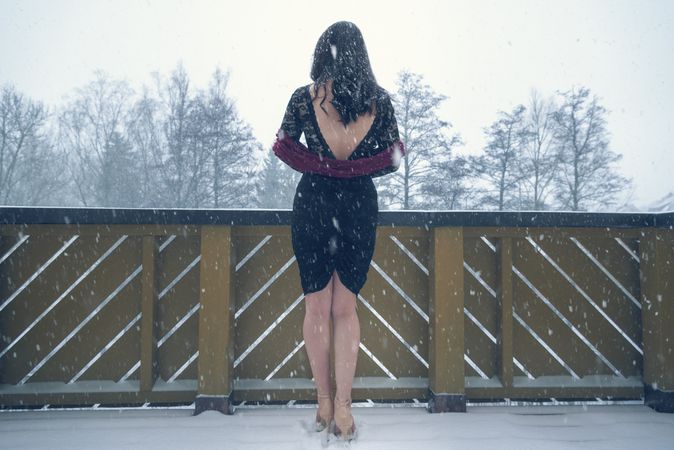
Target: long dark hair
<point x="341" y="55"/>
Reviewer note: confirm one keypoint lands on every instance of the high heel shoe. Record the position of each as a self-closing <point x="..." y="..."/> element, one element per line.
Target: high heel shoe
<point x="324" y="415"/>
<point x="345" y="427"/>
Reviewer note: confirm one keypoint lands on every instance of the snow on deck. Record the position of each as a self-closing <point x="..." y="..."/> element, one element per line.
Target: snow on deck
<point x="381" y="427"/>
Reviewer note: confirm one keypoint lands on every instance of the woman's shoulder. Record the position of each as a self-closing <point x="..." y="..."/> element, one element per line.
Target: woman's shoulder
<point x="383" y="98"/>
<point x="298" y="99"/>
<point x="300" y="92"/>
<point x="382" y="94"/>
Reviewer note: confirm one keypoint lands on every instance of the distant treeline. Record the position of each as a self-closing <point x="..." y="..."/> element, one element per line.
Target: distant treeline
<point x="172" y="145"/>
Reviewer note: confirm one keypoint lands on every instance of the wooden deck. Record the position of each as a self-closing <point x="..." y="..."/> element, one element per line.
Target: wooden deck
<point x="380" y="427"/>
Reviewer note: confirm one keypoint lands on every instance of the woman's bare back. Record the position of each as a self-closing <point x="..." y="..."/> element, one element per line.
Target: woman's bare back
<point x="342" y="141"/>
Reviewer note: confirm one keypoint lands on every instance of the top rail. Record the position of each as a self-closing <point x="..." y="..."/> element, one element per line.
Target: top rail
<point x="15" y="215"/>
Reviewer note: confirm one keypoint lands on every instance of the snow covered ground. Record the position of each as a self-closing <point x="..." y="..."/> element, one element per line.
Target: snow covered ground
<point x="380" y="427"/>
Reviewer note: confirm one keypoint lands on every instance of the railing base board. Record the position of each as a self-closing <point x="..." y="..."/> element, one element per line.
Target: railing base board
<point x="440" y="403"/>
<point x="212" y="403"/>
<point x="88" y="392"/>
<point x="661" y="401"/>
<point x="78" y="387"/>
<point x="588" y="381"/>
<point x="303" y="389"/>
<point x="307" y="383"/>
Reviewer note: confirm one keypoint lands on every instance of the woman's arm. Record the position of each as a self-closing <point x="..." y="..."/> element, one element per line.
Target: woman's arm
<point x="390" y="136"/>
<point x="291" y="125"/>
<point x="288" y="149"/>
<point x="301" y="159"/>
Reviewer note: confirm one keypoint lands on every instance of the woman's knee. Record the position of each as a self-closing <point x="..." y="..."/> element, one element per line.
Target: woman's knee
<point x="343" y="300"/>
<point x="317" y="304"/>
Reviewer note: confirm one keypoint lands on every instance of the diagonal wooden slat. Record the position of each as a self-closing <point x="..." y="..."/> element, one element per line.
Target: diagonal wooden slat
<point x="13" y="248"/>
<point x="566" y="321"/>
<point x="64" y="294"/>
<point x="402" y="293"/>
<point x="91" y="316"/>
<point x="410" y="254"/>
<point x="484" y="329"/>
<point x="377" y="361"/>
<point x="475" y="367"/>
<point x="107" y="347"/>
<point x="177" y="309"/>
<point x="586" y="297"/>
<point x="393" y="331"/>
<point x="182" y="368"/>
<point x="554" y="309"/>
<point x="268" y="331"/>
<point x="284" y="361"/>
<point x="264" y="287"/>
<point x="252" y="253"/>
<point x="545" y="345"/>
<point x="37" y="273"/>
<point x="606" y="272"/>
<point x="634" y="254"/>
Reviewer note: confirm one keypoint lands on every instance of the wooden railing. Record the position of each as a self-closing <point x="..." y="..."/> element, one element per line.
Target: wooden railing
<point x="129" y="306"/>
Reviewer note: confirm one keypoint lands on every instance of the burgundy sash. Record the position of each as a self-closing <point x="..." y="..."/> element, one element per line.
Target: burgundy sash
<point x="298" y="156"/>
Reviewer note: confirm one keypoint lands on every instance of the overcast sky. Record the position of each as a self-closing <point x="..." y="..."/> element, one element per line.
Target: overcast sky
<point x="485" y="56"/>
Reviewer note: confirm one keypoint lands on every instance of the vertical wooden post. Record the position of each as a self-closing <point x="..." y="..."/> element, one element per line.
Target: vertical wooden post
<point x="657" y="312"/>
<point x="446" y="345"/>
<point x="216" y="320"/>
<point x="506" y="312"/>
<point x="148" y="338"/>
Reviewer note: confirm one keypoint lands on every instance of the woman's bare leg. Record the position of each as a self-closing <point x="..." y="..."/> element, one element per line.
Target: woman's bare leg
<point x="346" y="336"/>
<point x="316" y="329"/>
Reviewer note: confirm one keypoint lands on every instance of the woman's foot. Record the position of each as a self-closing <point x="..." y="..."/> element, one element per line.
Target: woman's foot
<point x="345" y="427"/>
<point x="325" y="413"/>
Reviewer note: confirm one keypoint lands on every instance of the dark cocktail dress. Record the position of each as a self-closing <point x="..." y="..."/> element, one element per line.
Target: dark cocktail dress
<point x="335" y="210"/>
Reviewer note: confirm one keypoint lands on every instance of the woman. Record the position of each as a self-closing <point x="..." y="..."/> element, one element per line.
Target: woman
<point x="352" y="136"/>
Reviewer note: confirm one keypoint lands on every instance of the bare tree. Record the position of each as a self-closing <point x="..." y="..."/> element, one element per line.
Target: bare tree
<point x="507" y="137"/>
<point x="192" y="147"/>
<point x="184" y="161"/>
<point x="172" y="146"/>
<point x="448" y="184"/>
<point x="90" y="127"/>
<point x="229" y="145"/>
<point x="426" y="139"/>
<point x="30" y="169"/>
<point x="587" y="177"/>
<point x="276" y="183"/>
<point x="119" y="184"/>
<point x="144" y="134"/>
<point x="539" y="160"/>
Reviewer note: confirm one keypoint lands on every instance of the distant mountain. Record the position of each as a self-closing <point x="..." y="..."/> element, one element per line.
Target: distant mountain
<point x="665" y="204"/>
<point x="629" y="208"/>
